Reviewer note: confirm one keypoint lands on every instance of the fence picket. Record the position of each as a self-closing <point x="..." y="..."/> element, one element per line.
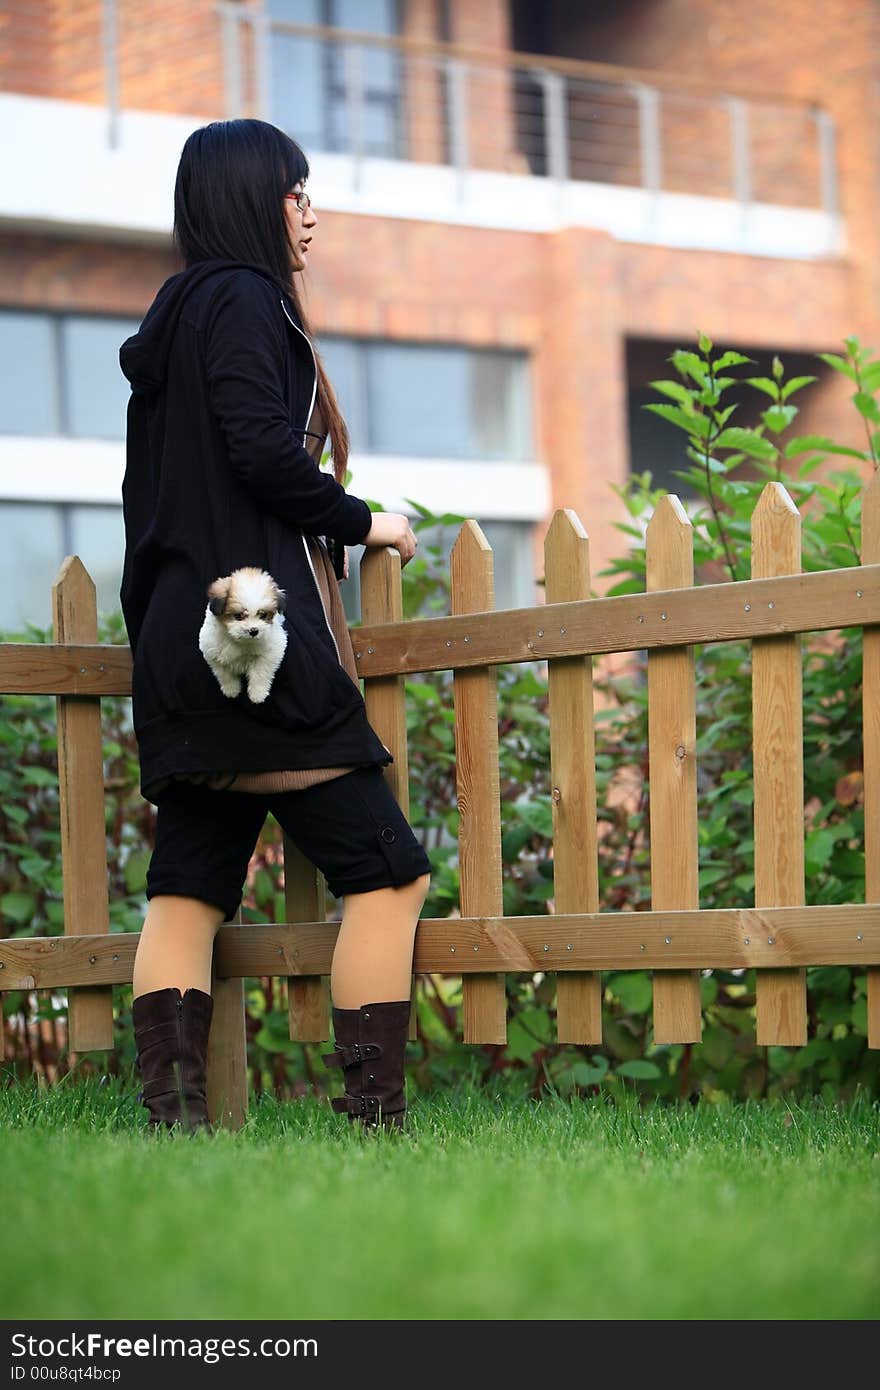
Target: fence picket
<point x="573" y="777"/>
<point x="81" y="808"/>
<point x="778" y="757"/>
<point x="474" y="694"/>
<point x="672" y="739"/>
<point x="226" y="1065"/>
<point x="305" y="900"/>
<point x="385" y="696"/>
<point x="871" y="744"/>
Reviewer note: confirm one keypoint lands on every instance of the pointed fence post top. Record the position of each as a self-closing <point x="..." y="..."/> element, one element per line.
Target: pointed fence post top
<point x="74" y="603"/>
<point x="669" y="546"/>
<point x="776" y="534"/>
<point x="566" y="558"/>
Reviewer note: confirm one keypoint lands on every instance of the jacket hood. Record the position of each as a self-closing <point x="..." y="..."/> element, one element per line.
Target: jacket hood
<point x="144" y="356"/>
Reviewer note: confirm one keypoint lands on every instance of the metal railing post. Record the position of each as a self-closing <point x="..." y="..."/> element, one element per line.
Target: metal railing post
<point x="556" y="127"/>
<point x="230" y="38"/>
<point x="110" y="36"/>
<point x="827" y="162"/>
<point x="458" y="120"/>
<point x="261" y="31"/>
<point x="650" y="150"/>
<point x="354" y="104"/>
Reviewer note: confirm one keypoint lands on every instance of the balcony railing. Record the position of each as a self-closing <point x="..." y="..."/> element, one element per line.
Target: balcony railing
<point x="373" y="96"/>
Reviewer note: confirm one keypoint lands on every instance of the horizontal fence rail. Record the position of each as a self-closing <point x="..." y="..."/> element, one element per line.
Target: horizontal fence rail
<point x="778" y="935"/>
<point x="403" y="98"/>
<point x="818" y="602"/>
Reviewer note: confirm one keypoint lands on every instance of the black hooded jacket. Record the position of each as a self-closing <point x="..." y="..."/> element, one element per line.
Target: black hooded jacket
<point x="217" y="477"/>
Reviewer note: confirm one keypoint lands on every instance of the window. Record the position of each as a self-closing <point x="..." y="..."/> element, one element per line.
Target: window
<point x="61" y="374"/>
<point x="34" y="539"/>
<point x="309" y="78"/>
<point x="429" y="400"/>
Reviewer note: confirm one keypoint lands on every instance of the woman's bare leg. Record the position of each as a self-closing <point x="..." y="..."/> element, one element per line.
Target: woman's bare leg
<point x="372" y="962"/>
<point x="176" y="945"/>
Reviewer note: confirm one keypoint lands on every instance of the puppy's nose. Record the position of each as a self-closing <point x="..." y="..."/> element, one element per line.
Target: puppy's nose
<point x="253" y="631"/>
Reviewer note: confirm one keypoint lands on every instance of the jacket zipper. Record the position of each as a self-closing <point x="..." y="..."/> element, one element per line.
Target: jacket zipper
<point x="308" y="422"/>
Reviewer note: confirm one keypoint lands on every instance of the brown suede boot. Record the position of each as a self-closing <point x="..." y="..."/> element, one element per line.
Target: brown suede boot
<point x="171" y="1035"/>
<point x="371" y="1049"/>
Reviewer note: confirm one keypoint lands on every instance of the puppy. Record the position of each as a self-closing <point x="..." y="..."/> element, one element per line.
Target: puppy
<point x="243" y="633"/>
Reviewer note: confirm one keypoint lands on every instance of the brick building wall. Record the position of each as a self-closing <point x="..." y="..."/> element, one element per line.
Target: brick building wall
<point x="569" y="298"/>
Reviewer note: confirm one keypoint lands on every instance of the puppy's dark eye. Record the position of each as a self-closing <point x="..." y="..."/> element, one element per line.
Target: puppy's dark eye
<point x="238" y="616"/>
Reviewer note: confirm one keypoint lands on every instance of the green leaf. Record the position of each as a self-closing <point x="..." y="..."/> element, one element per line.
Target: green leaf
<point x="797" y="383"/>
<point x="705" y="344"/>
<point x="749" y="441"/>
<point x="765" y="384"/>
<point x="818" y="849"/>
<point x="589" y="1073"/>
<point x="693" y="423"/>
<point x="867" y="406"/>
<point x="18" y="907"/>
<point x="639" y="1070"/>
<point x="831" y="359"/>
<point x="778" y="417"/>
<point x="729" y="359"/>
<point x="633" y="989"/>
<point x="676" y="390"/>
<point x="689" y="364"/>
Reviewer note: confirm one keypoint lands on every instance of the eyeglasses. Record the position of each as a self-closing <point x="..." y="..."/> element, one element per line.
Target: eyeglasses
<point x="302" y="200"/>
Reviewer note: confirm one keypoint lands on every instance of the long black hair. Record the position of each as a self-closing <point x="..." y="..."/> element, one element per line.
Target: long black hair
<point x="229" y="205"/>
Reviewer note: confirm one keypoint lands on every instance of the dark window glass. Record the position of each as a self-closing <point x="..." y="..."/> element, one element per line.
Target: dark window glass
<point x="28" y="381"/>
<point x="96" y="390"/>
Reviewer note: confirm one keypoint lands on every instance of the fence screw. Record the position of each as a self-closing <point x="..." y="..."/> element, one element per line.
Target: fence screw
<point x="358" y="653"/>
<point x="668" y="939"/>
<point x="562" y="629"/>
<point x="370" y="649"/>
<point x="540" y="632"/>
<point x="771" y="605"/>
<point x="100" y="668"/>
<point x="476" y="948"/>
<point x="641" y="948"/>
<point x="859" y="936"/>
<point x="529" y="645"/>
<point x="467" y="639"/>
<point x="557" y="794"/>
<point x="92" y="959"/>
<point x="452" y="948"/>
<point x="641" y="619"/>
<point x="116" y="958"/>
<point x="82" y="670"/>
<point x="2" y="966"/>
<point x="747" y="941"/>
<point x="680" y="751"/>
<point x="859" y="593"/>
<point x="569" y="947"/>
<point x="748" y="608"/>
<point x="769" y="940"/>
<point x="449" y="641"/>
<point x="663" y="616"/>
<point x="546" y="948"/>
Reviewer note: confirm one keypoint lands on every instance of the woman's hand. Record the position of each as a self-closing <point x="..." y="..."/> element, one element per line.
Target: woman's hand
<point x="393" y="528"/>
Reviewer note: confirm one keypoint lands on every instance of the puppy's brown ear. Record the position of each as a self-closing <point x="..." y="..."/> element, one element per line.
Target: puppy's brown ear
<point x="218" y="593"/>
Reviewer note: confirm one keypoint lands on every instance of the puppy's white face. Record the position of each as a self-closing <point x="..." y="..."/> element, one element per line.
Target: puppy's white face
<point x="246" y="603"/>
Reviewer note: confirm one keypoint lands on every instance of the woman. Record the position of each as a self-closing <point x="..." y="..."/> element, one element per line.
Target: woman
<point x="226" y="389"/>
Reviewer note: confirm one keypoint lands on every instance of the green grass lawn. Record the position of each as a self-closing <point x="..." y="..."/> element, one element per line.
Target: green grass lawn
<point x="489" y="1207"/>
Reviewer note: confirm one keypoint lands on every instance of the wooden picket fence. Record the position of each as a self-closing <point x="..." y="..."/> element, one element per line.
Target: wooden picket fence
<point x="778" y="935"/>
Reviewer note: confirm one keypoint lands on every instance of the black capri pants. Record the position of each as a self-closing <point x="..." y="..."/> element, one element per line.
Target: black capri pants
<point x="351" y="827"/>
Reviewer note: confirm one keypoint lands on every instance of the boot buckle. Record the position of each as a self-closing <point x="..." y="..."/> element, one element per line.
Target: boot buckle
<point x="351" y="1054"/>
<point x="355" y="1105"/>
